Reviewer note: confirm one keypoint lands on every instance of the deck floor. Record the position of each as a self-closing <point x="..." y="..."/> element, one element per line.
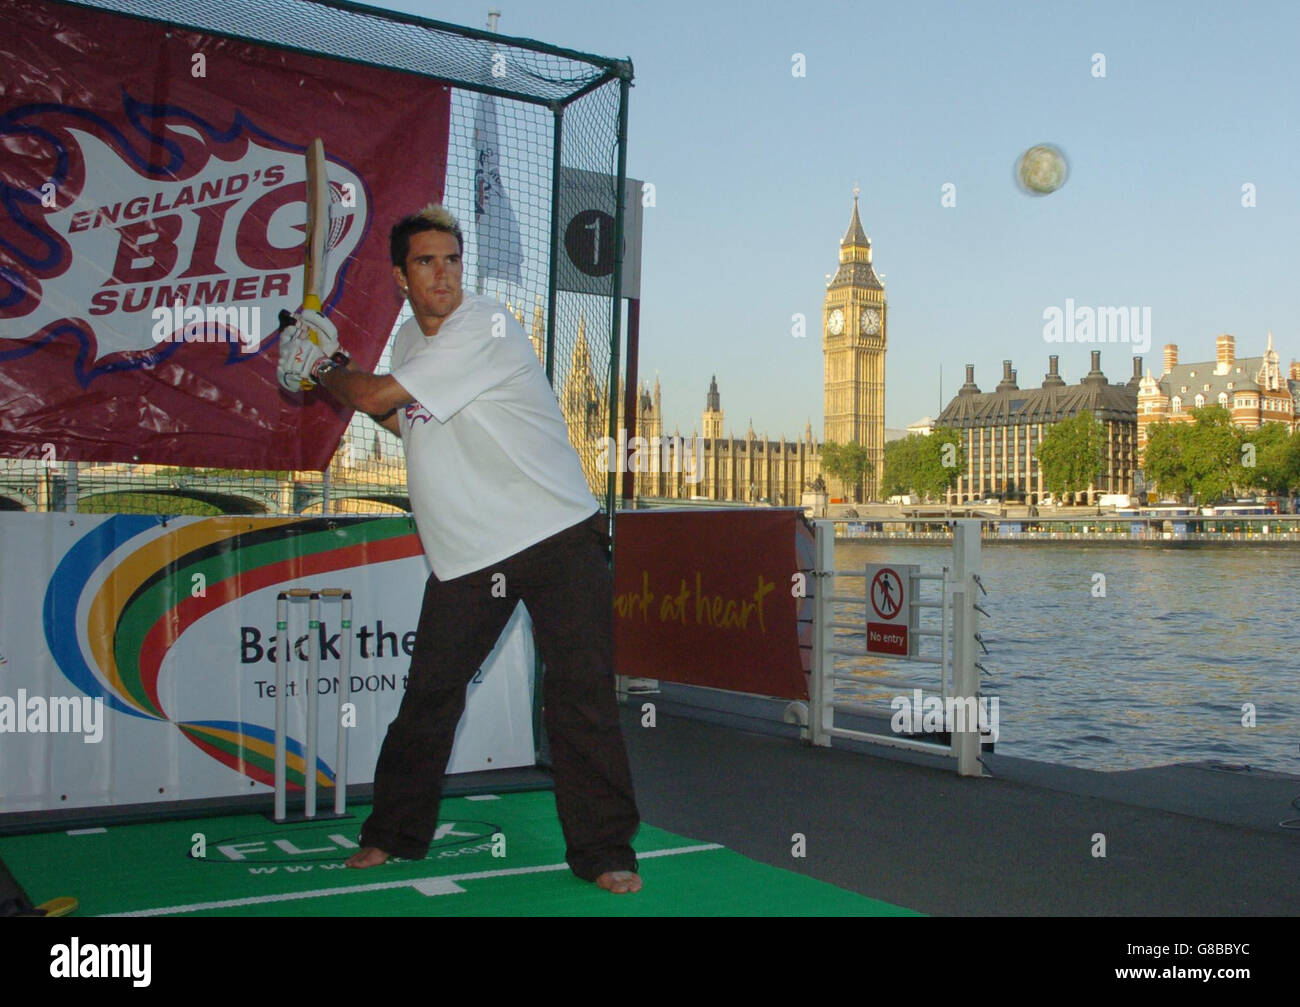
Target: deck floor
<point x="1179" y="840"/>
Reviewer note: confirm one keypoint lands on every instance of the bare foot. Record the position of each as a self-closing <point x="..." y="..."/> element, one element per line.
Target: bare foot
<point x="619" y="882"/>
<point x="369" y="857"/>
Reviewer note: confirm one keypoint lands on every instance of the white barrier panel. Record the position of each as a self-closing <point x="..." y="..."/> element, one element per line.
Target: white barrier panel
<point x="137" y="658"/>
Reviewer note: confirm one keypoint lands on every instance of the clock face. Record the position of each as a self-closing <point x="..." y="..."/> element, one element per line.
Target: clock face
<point x="870" y="322"/>
<point x="835" y="322"/>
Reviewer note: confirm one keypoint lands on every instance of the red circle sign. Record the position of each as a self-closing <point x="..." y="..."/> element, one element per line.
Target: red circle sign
<point x="886" y="593"/>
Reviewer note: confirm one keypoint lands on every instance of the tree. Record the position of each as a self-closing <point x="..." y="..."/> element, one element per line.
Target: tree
<point x="1163" y="461"/>
<point x="926" y="466"/>
<point x="1073" y="454"/>
<point x="902" y="462"/>
<point x="849" y="463"/>
<point x="1212" y="455"/>
<point x="1269" y="459"/>
<point x="1205" y="458"/>
<point x="945" y="461"/>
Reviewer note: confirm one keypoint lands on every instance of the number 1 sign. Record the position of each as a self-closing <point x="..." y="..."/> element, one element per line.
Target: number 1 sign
<point x="586" y="211"/>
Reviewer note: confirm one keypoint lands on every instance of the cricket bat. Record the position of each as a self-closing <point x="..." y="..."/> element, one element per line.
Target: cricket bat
<point x="318" y="226"/>
<point x="316" y="230"/>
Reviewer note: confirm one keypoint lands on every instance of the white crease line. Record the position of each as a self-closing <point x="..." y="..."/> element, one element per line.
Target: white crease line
<point x="254" y="900"/>
<point x="701" y="848"/>
<point x="197" y="907"/>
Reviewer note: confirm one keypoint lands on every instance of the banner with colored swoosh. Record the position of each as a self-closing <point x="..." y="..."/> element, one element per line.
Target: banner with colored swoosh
<point x="137" y="655"/>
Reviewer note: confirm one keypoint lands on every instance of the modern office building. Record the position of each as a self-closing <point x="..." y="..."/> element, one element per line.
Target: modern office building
<point x="1000" y="431"/>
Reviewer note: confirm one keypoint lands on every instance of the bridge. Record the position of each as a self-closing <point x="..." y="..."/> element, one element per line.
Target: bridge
<point x="32" y="485"/>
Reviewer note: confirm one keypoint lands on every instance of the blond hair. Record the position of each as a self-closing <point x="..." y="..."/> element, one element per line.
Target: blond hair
<point x="433" y="217"/>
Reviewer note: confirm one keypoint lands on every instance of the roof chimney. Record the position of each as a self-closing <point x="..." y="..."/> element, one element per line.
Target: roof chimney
<point x="1136" y="379"/>
<point x="1008" y="382"/>
<point x="969" y="388"/>
<point x="1224" y="354"/>
<point x="1053" y="377"/>
<point x="1094" y="376"/>
<point x="1171" y="356"/>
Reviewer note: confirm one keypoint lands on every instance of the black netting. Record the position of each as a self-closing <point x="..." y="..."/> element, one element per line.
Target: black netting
<point x="584" y="374"/>
<point x="528" y="100"/>
<point x="462" y="56"/>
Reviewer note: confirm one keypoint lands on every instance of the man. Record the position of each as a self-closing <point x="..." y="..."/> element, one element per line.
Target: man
<point x="497" y="490"/>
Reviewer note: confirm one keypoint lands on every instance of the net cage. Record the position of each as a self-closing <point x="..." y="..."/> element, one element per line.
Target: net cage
<point x="555" y="110"/>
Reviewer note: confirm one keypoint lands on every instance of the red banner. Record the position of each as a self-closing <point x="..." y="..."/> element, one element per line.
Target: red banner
<point x="714" y="598"/>
<point x="152" y="203"/>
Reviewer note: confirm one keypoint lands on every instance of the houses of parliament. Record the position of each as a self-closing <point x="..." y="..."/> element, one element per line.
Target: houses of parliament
<point x="753" y="468"/>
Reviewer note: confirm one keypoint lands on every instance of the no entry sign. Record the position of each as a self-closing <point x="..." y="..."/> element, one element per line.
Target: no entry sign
<point x="888" y="611"/>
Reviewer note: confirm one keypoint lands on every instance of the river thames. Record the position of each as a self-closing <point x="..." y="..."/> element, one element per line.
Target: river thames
<point x="1159" y="670"/>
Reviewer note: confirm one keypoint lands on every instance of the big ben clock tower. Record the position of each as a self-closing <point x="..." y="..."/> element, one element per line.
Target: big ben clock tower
<point x="853" y="344"/>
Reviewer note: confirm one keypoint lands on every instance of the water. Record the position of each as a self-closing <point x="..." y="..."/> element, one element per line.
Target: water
<point x="1157" y="671"/>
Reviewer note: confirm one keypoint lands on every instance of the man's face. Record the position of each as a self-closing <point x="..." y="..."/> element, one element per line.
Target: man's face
<point x="432" y="275"/>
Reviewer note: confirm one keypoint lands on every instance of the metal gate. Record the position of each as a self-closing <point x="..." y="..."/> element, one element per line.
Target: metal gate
<point x="955" y="632"/>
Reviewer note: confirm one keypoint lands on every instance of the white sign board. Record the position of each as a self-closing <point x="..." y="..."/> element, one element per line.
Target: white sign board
<point x="888" y="608"/>
<point x="586" y="210"/>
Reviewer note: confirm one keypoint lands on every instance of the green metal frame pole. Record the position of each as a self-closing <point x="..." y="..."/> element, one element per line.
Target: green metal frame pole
<point x="616" y="298"/>
<point x="552" y="281"/>
<point x="631" y="395"/>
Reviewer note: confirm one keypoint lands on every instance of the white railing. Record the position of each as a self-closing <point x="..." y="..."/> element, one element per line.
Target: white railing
<point x="957" y="635"/>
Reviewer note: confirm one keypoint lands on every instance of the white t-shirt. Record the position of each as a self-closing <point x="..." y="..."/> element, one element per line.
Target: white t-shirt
<point x="489" y="466"/>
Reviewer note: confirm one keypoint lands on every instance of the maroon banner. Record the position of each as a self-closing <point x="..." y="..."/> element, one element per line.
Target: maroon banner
<point x="152" y="203"/>
<point x="714" y="598"/>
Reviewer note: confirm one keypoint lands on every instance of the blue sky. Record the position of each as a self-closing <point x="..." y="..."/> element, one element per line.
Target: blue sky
<point x="754" y="170"/>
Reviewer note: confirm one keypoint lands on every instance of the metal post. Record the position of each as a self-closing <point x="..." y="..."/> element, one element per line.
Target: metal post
<point x="616" y="292"/>
<point x="313" y="673"/>
<point x="281" y="662"/>
<point x="345" y="694"/>
<point x="553" y="279"/>
<point x="821" y="716"/>
<point x="71" y="490"/>
<point x="966" y="558"/>
<point x="965" y="549"/>
<point x="965" y="743"/>
<point x="945" y="640"/>
<point x="630" y="399"/>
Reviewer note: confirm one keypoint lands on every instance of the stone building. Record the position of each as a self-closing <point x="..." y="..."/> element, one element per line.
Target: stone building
<point x="749" y="469"/>
<point x="584" y="403"/>
<point x="854" y="325"/>
<point x="754" y="468"/>
<point x="1001" y="430"/>
<point x="1252" y="389"/>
